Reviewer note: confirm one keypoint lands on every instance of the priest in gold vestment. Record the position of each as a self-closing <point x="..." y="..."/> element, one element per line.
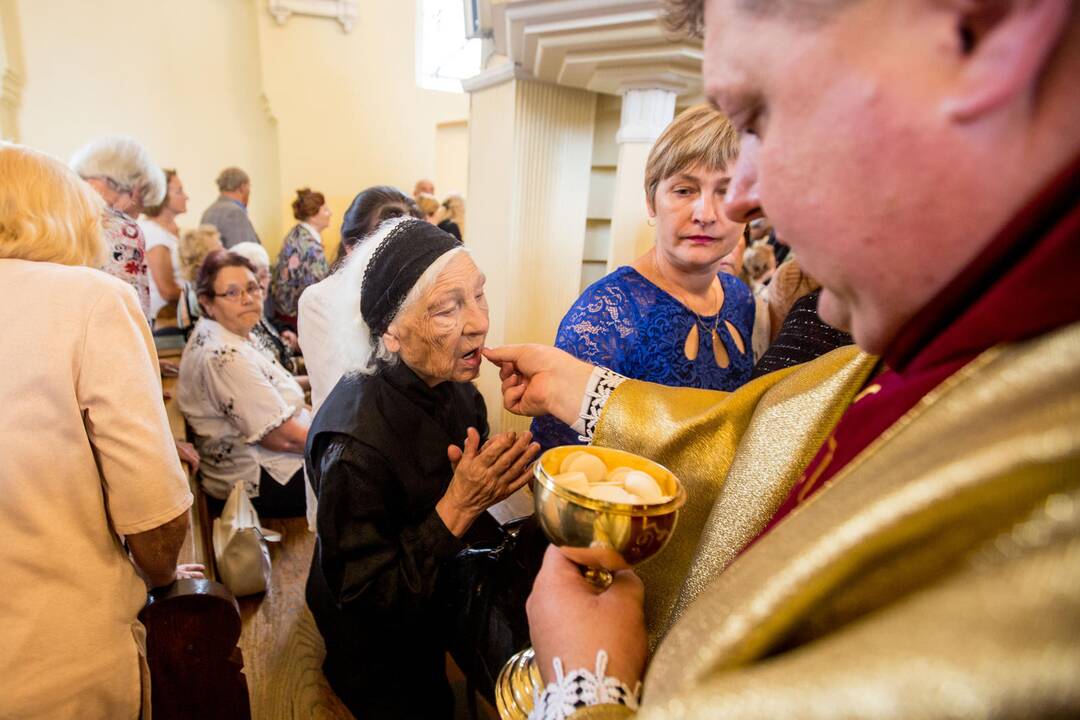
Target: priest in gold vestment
<point x="892" y="530"/>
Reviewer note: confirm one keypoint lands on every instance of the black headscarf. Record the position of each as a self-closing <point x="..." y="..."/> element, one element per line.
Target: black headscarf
<point x="395" y="266"/>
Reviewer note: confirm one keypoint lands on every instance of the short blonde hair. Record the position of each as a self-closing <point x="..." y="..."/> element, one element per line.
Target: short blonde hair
<point x="195" y="245"/>
<point x="47" y="213"/>
<point x="124" y="161"/>
<point x="699" y="136"/>
<point x="428" y="204"/>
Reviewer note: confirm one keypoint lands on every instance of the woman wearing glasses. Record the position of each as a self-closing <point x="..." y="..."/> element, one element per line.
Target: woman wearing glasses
<point x="247" y="412"/>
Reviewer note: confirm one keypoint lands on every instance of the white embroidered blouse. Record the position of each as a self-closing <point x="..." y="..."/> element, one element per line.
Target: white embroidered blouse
<point x="232" y="395"/>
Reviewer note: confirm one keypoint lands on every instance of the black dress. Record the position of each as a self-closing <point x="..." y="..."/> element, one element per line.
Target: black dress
<point x="451" y="227"/>
<point x="384" y="582"/>
<point x="803" y="337"/>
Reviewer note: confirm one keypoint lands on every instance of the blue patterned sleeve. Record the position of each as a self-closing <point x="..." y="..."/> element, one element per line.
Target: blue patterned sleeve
<point x="597" y="329"/>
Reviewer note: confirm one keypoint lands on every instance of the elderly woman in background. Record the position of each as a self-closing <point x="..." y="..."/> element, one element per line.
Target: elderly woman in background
<point x="246" y="411"/>
<point x="264" y="334"/>
<point x="371" y="207"/>
<point x="195" y="245"/>
<point x="672" y="317"/>
<point x="301" y="261"/>
<point x="87" y="463"/>
<point x="398" y="497"/>
<point x="121" y="171"/>
<point x="163" y="246"/>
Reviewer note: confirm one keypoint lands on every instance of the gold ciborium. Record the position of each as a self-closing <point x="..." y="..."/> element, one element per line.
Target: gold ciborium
<point x="602" y="537"/>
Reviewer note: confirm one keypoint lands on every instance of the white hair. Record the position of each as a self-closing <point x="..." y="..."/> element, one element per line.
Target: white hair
<point x="360" y="353"/>
<point x="254" y="252"/>
<point x="124" y="161"/>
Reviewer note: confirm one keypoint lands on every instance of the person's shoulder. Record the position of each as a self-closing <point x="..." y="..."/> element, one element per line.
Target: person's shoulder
<point x="735" y="288"/>
<point x="85" y="284"/>
<point x="155" y="234"/>
<point x="317" y="293"/>
<point x="613" y="288"/>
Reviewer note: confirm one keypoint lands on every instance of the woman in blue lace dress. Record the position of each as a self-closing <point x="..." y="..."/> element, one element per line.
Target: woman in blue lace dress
<point x="671" y="317"/>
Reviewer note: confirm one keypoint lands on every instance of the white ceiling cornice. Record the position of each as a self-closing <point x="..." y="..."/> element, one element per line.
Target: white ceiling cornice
<point x="606" y="46"/>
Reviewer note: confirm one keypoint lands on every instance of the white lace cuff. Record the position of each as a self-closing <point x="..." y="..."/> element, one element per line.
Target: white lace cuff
<point x="581" y="688"/>
<point x="601" y="384"/>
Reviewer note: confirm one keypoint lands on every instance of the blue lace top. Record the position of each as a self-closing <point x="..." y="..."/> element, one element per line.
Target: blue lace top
<point x="626" y="323"/>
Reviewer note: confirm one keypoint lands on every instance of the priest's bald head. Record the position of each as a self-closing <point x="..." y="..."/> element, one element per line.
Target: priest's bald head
<point x="874" y="132"/>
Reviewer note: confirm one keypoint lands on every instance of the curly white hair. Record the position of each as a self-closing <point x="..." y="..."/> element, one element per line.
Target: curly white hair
<point x="124" y="161"/>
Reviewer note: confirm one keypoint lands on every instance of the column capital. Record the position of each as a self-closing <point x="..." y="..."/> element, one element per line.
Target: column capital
<point x="645" y="114"/>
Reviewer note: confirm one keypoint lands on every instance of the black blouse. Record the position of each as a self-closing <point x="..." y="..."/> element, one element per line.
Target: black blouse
<point x="376" y="457"/>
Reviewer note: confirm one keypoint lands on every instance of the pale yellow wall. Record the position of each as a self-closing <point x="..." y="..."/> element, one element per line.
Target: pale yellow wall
<point x="209" y="83"/>
<point x="451" y="157"/>
<point x="178" y="76"/>
<point x="349" y="111"/>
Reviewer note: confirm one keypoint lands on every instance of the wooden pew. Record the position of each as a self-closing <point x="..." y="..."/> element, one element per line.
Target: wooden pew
<point x="192" y="626"/>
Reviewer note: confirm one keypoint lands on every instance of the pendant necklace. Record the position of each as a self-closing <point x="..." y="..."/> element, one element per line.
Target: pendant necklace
<point x="693" y="342"/>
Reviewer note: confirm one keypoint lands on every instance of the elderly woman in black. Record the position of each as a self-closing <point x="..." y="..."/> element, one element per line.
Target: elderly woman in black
<point x="404" y="471"/>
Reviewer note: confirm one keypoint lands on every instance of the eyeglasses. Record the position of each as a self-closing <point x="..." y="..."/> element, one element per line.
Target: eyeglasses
<point x="252" y="290"/>
<point x="115" y="186"/>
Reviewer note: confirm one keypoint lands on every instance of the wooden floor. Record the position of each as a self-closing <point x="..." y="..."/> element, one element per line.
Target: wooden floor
<point x="283" y="651"/>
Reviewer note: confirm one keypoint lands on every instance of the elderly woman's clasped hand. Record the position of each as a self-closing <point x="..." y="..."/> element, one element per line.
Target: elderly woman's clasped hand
<point x="484" y="476"/>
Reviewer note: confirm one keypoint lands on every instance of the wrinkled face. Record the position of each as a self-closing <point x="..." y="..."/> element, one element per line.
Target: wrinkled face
<point x="237" y="301"/>
<point x="441" y="334"/>
<point x="692" y="230"/>
<point x="843" y="147"/>
<point x="175" y="198"/>
<point x="262" y="275"/>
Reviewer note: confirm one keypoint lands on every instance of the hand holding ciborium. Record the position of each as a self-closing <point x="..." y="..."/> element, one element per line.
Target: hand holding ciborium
<point x="606" y="510"/>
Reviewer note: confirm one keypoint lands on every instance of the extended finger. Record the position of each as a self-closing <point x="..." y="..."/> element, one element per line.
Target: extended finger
<point x="503" y="354"/>
<point x="472" y="442"/>
<point x="523" y="460"/>
<point x="507" y="457"/>
<point x="495" y="447"/>
<point x="519" y="482"/>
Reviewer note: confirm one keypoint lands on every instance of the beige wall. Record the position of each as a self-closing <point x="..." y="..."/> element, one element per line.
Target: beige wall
<point x="349" y="111"/>
<point x="451" y="157"/>
<point x="209" y="83"/>
<point x="176" y="76"/>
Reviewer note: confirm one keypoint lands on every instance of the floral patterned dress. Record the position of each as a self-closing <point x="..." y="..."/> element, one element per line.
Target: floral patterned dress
<point x="232" y="396"/>
<point x="300" y="263"/>
<point x="126" y="255"/>
<point x="626" y="323"/>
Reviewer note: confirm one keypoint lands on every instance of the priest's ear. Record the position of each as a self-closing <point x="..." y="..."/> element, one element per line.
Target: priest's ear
<point x="1002" y="47"/>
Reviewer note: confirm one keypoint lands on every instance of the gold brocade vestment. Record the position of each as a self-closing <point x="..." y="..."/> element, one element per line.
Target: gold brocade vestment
<point x="937" y="575"/>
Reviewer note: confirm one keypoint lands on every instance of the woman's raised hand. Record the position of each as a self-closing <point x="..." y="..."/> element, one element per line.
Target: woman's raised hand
<point x="484" y="476"/>
<point x="541" y="380"/>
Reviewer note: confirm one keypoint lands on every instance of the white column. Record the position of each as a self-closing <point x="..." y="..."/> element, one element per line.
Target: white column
<point x="530" y="150"/>
<point x="645" y="114"/>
